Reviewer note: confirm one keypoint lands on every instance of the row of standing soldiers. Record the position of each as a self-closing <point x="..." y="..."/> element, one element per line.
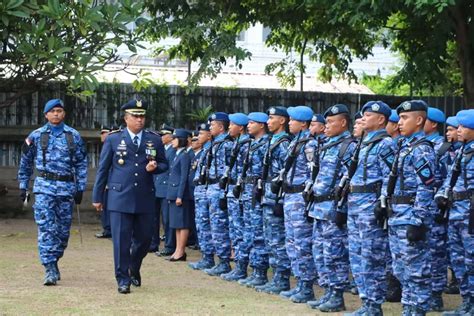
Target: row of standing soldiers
<point x="294" y="191"/>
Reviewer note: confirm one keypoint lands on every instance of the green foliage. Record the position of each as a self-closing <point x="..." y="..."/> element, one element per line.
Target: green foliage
<point x="61" y="40"/>
<point x="200" y="115"/>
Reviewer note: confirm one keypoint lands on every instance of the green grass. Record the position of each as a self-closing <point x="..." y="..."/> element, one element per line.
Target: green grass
<point x="88" y="285"/>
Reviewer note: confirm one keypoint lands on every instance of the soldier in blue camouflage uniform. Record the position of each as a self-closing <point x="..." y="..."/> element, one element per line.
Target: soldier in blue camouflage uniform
<point x="298" y="229"/>
<point x="237" y="130"/>
<point x="328" y="228"/>
<point x="461" y="215"/>
<point x="203" y="223"/>
<point x="438" y="233"/>
<point x="254" y="241"/>
<point x="368" y="240"/>
<point x="410" y="213"/>
<point x="220" y="150"/>
<point x="60" y="157"/>
<point x="274" y="226"/>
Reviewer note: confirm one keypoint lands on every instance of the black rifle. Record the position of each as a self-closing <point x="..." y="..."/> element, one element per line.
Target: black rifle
<point x="392" y="181"/>
<point x="238" y="188"/>
<point x="259" y="192"/>
<point x="204" y="174"/>
<point x="308" y="194"/>
<point x="225" y="179"/>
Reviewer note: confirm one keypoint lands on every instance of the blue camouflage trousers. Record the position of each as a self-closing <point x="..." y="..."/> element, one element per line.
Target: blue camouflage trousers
<point x="323" y="278"/>
<point x="254" y="240"/>
<point x="367" y="255"/>
<point x="219" y="223"/>
<point x="236" y="228"/>
<point x="461" y="251"/>
<point x="411" y="266"/>
<point x="274" y="230"/>
<point x="298" y="235"/>
<point x="203" y="223"/>
<point x="439" y="257"/>
<point x="53" y="215"/>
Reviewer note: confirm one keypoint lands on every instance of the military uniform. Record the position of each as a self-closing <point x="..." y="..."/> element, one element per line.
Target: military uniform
<point x="60" y="157"/>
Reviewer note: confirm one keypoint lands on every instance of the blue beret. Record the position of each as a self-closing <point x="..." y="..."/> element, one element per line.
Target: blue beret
<point x="219" y="116"/>
<point x="180" y="133"/>
<point x="466" y="118"/>
<point x="436" y="115"/>
<point x="258" y="117"/>
<point x="278" y="110"/>
<point x="301" y="113"/>
<point x="52" y="104"/>
<point x="204" y="127"/>
<point x="135" y="107"/>
<point x="336" y="109"/>
<point x="358" y="115"/>
<point x="452" y="121"/>
<point x="166" y="129"/>
<point x="377" y="107"/>
<point x="239" y="119"/>
<point x="318" y="118"/>
<point x="394" y="117"/>
<point x="413" y="105"/>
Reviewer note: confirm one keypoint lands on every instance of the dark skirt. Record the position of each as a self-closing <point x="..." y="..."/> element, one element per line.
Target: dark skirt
<point x="180" y="216"/>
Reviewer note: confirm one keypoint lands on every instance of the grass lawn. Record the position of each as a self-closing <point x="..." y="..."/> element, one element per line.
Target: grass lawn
<point x="88" y="285"/>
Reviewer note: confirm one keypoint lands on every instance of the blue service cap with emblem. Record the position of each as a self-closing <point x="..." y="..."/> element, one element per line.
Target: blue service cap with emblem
<point x="301" y="113"/>
<point x="277" y="110"/>
<point x="105" y="129"/>
<point x="204" y="127"/>
<point x="135" y="107"/>
<point x="219" y="116"/>
<point x="452" y="121"/>
<point x="436" y="115"/>
<point x="180" y="133"/>
<point x="318" y="118"/>
<point x="336" y="109"/>
<point x="239" y="119"/>
<point x="52" y="104"/>
<point x="194" y="134"/>
<point x="394" y="117"/>
<point x="466" y="118"/>
<point x="377" y="107"/>
<point x="166" y="129"/>
<point x="258" y="117"/>
<point x="413" y="105"/>
<point x="358" y="115"/>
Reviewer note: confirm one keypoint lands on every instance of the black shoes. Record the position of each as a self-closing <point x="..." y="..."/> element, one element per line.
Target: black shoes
<point x="103" y="235"/>
<point x="124" y="289"/>
<point x="182" y="258"/>
<point x="165" y="252"/>
<point x="153" y="249"/>
<point x="136" y="279"/>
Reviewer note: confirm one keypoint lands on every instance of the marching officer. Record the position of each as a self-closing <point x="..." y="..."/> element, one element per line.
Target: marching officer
<point x="274" y="225"/>
<point x="128" y="161"/>
<point x="59" y="154"/>
<point x="202" y="217"/>
<point x="460" y="185"/>
<point x="329" y="228"/>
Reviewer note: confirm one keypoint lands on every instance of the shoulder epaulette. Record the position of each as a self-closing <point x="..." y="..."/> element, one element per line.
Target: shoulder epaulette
<point x="148" y="131"/>
<point x="116" y="131"/>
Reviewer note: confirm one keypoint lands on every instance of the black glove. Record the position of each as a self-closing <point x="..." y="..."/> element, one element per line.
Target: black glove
<point x="236" y="191"/>
<point x="278" y="210"/>
<point x="416" y="233"/>
<point x="23" y="195"/>
<point x="341" y="219"/>
<point x="78" y="197"/>
<point x="275" y="186"/>
<point x="439" y="217"/>
<point x="223" y="204"/>
<point x="442" y="203"/>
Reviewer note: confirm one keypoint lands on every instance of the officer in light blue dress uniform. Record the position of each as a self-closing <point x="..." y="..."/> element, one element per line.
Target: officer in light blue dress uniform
<point x="128" y="161"/>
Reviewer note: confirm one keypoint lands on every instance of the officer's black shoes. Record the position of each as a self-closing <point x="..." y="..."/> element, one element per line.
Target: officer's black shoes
<point x="165" y="252"/>
<point x="136" y="279"/>
<point x="103" y="235"/>
<point x="453" y="286"/>
<point x="259" y="279"/>
<point x="50" y="277"/>
<point x="305" y="294"/>
<point x="291" y="292"/>
<point x="221" y="268"/>
<point x="182" y="258"/>
<point x="335" y="303"/>
<point x="323" y="299"/>
<point x="394" y="289"/>
<point x="465" y="309"/>
<point x="153" y="249"/>
<point x="436" y="303"/>
<point x="124" y="289"/>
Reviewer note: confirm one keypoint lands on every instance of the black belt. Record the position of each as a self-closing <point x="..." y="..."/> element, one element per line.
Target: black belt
<point x="251" y="179"/>
<point x="402" y="199"/>
<point x="212" y="181"/>
<point x="323" y="198"/>
<point x="293" y="188"/>
<point x="368" y="188"/>
<point x="463" y="195"/>
<point x="56" y="177"/>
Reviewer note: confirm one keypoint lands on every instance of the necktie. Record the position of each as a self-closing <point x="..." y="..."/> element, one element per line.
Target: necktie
<point x="135" y="142"/>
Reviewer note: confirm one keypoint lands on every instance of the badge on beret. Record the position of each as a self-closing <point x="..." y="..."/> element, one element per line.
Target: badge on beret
<point x="375" y="107"/>
<point x="406" y="106"/>
<point x="334" y="110"/>
<point x="213" y="116"/>
<point x="139" y="103"/>
<point x="203" y="126"/>
<point x="272" y="111"/>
